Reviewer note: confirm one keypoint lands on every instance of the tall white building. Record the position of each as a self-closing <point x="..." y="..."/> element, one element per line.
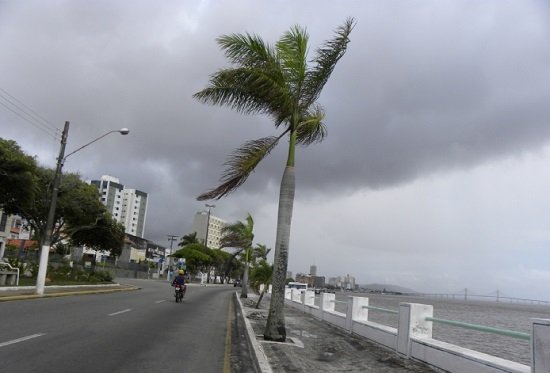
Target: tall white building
<point x="128" y="206"/>
<point x="215" y="226"/>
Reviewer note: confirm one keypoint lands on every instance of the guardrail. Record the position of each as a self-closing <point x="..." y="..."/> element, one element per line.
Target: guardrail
<point x="413" y="336"/>
<point x="482" y="328"/>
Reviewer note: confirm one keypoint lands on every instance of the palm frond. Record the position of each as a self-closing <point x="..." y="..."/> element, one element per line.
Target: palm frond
<point x="248" y="50"/>
<point x="240" y="164"/>
<point x="292" y="52"/>
<point x="327" y="57"/>
<point x="312" y="129"/>
<point x="246" y="90"/>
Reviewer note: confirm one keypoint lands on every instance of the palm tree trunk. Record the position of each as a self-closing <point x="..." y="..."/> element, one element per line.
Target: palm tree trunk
<point x="275" y="328"/>
<point x="260" y="298"/>
<point x="244" y="289"/>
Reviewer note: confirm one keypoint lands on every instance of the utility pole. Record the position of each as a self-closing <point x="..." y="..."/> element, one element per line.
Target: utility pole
<point x="47" y="241"/>
<point x="171" y="239"/>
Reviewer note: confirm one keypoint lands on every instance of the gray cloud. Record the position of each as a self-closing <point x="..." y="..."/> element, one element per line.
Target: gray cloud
<point x="424" y="90"/>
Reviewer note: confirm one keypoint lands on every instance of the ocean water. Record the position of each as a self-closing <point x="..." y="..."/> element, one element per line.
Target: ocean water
<point x="504" y="315"/>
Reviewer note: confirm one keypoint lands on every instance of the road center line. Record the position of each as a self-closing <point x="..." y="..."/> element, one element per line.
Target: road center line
<point x="119" y="312"/>
<point x="3" y="344"/>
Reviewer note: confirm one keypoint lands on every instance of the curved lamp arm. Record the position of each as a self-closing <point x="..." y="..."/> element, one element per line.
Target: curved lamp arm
<point x="122" y="131"/>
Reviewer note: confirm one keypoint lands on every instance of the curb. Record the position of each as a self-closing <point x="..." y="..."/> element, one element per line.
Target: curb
<point x="63" y="294"/>
<point x="257" y="348"/>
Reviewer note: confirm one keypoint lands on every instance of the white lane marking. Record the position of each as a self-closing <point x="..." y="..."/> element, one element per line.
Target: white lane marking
<point x="21" y="339"/>
<point x="119" y="312"/>
<point x="160" y="301"/>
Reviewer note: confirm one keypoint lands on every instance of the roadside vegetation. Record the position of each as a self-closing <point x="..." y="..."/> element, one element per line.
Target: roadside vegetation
<point x="80" y="217"/>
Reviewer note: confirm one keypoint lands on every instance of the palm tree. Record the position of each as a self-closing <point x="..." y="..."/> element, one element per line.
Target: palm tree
<point x="260" y="253"/>
<point x="239" y="235"/>
<point x="188" y="239"/>
<point x="261" y="274"/>
<point x="274" y="80"/>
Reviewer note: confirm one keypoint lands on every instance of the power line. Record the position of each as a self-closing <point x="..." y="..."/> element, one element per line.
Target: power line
<point x="26" y="113"/>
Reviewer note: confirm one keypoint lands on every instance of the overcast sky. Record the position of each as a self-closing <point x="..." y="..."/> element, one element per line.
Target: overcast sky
<point x="435" y="173"/>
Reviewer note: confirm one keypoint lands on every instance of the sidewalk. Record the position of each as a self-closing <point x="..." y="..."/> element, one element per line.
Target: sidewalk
<point x="313" y="346"/>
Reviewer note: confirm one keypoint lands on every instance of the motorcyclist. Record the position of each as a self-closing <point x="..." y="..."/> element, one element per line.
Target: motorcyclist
<point x="180" y="280"/>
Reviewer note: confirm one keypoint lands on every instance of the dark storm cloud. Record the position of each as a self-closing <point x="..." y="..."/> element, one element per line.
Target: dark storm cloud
<point x="423" y="89"/>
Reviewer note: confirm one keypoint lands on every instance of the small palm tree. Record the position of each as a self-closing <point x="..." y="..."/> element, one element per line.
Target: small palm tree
<point x="261" y="275"/>
<point x="188" y="239"/>
<point x="274" y="80"/>
<point x="260" y="253"/>
<point x="240" y="235"/>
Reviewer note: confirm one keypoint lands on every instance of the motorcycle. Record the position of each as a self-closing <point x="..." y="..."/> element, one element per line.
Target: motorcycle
<point x="179" y="292"/>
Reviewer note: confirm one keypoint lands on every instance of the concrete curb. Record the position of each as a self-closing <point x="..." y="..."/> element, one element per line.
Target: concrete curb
<point x="63" y="294"/>
<point x="261" y="358"/>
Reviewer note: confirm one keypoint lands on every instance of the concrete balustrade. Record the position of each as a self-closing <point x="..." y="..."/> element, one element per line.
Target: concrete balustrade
<point x="413" y="337"/>
<point x="540" y="345"/>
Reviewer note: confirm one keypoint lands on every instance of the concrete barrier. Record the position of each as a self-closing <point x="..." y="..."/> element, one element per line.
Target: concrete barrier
<point x="413" y="337"/>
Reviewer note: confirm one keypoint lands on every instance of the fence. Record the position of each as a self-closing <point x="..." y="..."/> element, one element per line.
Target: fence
<point x="413" y="336"/>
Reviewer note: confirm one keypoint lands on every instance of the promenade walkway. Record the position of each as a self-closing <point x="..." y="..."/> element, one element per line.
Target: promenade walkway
<point x="314" y="346"/>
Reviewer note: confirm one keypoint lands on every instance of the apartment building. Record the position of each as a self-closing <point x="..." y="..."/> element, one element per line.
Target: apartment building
<point x="127" y="206"/>
<point x="215" y="226"/>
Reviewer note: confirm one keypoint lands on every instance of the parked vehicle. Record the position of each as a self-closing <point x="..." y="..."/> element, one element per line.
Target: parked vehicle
<point x="179" y="292"/>
<point x="237" y="283"/>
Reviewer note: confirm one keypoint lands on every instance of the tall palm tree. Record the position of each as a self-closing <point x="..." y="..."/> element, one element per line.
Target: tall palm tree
<point x="240" y="235"/>
<point x="274" y="80"/>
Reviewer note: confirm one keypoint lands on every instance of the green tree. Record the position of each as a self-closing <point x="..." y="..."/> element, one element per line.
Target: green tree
<point x="105" y="234"/>
<point x="274" y="80"/>
<point x="197" y="257"/>
<point x="239" y="235"/>
<point x="16" y="177"/>
<point x="78" y="205"/>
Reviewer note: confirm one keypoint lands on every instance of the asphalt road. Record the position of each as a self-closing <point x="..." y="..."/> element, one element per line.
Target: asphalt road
<point x="135" y="331"/>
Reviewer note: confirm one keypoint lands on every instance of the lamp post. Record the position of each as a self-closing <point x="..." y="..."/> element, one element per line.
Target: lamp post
<point x="207" y="223"/>
<point x="47" y="240"/>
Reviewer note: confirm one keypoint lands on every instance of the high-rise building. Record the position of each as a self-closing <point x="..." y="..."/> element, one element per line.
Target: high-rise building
<point x="313" y="270"/>
<point x="215" y="226"/>
<point x="127" y="206"/>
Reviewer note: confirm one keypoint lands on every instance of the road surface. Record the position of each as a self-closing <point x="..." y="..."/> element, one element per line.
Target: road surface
<point x="135" y="331"/>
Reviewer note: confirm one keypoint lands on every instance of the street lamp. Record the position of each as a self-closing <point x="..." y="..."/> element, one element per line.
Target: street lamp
<point x="207" y="223"/>
<point x="46" y="243"/>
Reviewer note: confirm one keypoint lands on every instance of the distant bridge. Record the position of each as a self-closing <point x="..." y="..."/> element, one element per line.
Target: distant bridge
<point x="495" y="296"/>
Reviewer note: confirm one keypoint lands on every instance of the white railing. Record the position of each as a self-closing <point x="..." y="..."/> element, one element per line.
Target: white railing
<point x="413" y="336"/>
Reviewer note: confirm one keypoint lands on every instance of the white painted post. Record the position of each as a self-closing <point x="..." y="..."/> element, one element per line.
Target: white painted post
<point x="359" y="313"/>
<point x="349" y="314"/>
<point x="295" y="295"/>
<point x="327" y="303"/>
<point x="309" y="298"/>
<point x="356" y="312"/>
<point x="288" y="293"/>
<point x="269" y="288"/>
<point x="540" y="346"/>
<point x="412" y="323"/>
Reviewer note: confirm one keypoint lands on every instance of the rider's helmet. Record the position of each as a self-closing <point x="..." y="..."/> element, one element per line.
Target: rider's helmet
<point x="180" y="272"/>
